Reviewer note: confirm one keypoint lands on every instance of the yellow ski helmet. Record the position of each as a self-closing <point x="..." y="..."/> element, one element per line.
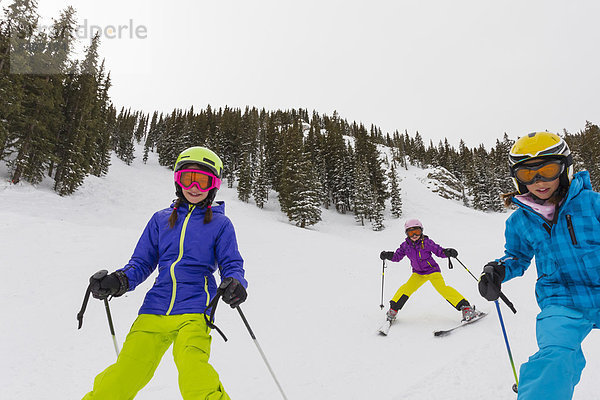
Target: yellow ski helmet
<point x="540" y="145"/>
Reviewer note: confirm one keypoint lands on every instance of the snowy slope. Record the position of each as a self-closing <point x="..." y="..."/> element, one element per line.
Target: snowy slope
<point x="313" y="301"/>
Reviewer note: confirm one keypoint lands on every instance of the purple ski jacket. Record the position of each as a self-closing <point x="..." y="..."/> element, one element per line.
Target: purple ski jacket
<point x="419" y="254"/>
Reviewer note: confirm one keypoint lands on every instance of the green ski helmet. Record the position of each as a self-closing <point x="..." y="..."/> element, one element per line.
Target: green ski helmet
<point x="204" y="157"/>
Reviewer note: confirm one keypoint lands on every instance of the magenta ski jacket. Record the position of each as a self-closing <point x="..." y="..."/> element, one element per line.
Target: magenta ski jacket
<point x="419" y="254"/>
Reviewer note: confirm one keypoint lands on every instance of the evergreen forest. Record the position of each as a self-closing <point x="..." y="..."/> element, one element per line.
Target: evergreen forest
<point x="57" y="121"/>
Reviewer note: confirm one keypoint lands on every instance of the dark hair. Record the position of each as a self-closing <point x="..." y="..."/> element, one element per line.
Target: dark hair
<point x="507" y="198"/>
<point x="173" y="216"/>
<point x="208" y="215"/>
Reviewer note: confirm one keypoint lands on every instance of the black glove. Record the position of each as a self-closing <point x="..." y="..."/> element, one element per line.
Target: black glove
<point x="491" y="280"/>
<point x="450" y="252"/>
<point x="386" y="255"/>
<point x="234" y="292"/>
<point x="103" y="285"/>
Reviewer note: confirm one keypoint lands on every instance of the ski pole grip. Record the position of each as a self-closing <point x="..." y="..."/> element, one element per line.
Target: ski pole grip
<point x="508" y="303"/>
<point x="86" y="298"/>
<point x="99" y="275"/>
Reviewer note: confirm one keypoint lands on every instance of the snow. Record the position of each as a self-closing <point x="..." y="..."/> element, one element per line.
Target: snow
<point x="313" y="300"/>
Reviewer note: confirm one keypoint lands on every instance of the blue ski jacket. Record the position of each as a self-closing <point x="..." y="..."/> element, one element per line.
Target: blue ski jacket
<point x="567" y="254"/>
<point x="187" y="256"/>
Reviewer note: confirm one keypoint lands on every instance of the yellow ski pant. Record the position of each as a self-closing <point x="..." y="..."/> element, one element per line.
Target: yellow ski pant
<point x="150" y="336"/>
<point x="416" y="281"/>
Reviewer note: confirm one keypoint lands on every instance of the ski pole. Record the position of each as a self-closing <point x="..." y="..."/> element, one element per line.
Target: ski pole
<point x="111" y="327"/>
<point x="510" y="357"/>
<point x="502" y="296"/>
<point x="260" y="351"/>
<point x="86" y="298"/>
<point x="511" y="306"/>
<point x="382" y="283"/>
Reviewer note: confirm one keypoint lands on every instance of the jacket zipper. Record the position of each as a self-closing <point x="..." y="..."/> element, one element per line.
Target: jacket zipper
<point x="172" y="268"/>
<point x="571" y="230"/>
<point x="206" y="290"/>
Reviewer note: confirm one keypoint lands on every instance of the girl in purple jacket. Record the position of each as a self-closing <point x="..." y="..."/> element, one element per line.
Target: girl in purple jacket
<point x="418" y="248"/>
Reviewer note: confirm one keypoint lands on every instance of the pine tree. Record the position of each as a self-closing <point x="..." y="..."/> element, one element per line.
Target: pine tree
<point x="589" y="152"/>
<point x="314" y="144"/>
<point x="304" y="209"/>
<point x="377" y="220"/>
<point x="81" y="130"/>
<point x="335" y="165"/>
<point x="102" y="117"/>
<point x="151" y="136"/>
<point x="260" y="188"/>
<point x="362" y="196"/>
<point x="167" y="145"/>
<point x="366" y="151"/>
<point x="31" y="131"/>
<point x="244" y="188"/>
<point x="7" y="105"/>
<point x="484" y="184"/>
<point x="299" y="193"/>
<point x="140" y="130"/>
<point x="418" y="151"/>
<point x="396" y="199"/>
<point x="123" y="139"/>
<point x="500" y="160"/>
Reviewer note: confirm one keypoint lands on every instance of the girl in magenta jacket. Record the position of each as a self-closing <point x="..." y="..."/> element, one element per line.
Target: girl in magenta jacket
<point x="419" y="249"/>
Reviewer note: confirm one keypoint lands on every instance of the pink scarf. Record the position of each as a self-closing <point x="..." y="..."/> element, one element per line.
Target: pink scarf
<point x="546" y="209"/>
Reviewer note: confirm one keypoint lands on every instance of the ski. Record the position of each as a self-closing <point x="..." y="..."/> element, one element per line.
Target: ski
<point x="385" y="328"/>
<point x="448" y="331"/>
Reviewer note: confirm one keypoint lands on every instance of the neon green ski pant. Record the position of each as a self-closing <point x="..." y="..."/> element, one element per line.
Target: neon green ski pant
<point x="150" y="336"/>
<point x="416" y="281"/>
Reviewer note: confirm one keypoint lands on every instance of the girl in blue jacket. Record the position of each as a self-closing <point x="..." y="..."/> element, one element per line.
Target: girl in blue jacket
<point x="188" y="242"/>
<point x="558" y="222"/>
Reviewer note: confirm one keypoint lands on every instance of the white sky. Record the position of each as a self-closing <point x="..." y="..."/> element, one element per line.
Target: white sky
<point x="470" y="69"/>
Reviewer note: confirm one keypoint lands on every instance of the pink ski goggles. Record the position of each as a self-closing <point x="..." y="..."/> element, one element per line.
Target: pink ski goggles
<point x="204" y="181"/>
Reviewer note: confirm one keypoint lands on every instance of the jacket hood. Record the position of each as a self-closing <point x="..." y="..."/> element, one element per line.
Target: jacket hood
<point x="581" y="181"/>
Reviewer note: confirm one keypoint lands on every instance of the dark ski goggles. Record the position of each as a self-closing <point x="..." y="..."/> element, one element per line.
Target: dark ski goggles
<point x="414" y="231"/>
<point x="187" y="178"/>
<point x="545" y="171"/>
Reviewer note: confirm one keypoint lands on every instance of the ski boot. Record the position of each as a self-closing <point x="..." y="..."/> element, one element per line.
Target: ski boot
<point x="391" y="314"/>
<point x="468" y="313"/>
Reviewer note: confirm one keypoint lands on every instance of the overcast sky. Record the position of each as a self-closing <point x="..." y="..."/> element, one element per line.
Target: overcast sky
<point x="470" y="69"/>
